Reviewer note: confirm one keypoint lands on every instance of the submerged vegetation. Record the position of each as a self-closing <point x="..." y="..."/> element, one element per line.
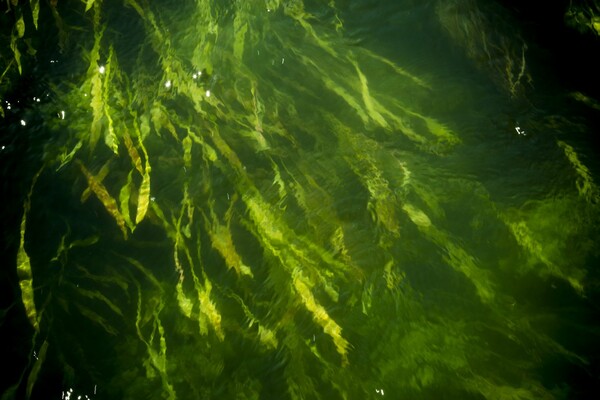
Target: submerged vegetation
<point x="245" y="204"/>
<point x="487" y="37"/>
<point x="584" y="16"/>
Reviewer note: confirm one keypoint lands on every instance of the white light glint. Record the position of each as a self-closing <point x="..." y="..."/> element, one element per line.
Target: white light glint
<point x="282" y="60"/>
<point x="3" y="147"/>
<point x="23" y="123"/>
<point x="207" y="93"/>
<point x="194" y="76"/>
<point x="379" y="391"/>
<point x="67" y="395"/>
<point x="61" y="114"/>
<point x="102" y="69"/>
<point x="168" y="84"/>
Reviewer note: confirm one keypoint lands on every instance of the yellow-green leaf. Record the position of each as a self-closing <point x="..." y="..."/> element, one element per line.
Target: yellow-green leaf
<point x="35" y="11"/>
<point x="105" y="198"/>
<point x="89" y="4"/>
<point x="65" y="158"/>
<point x="124" y="198"/>
<point x="187" y="151"/>
<point x="26" y="278"/>
<point x="16" y="52"/>
<point x="144" y="196"/>
<point x="133" y="153"/>
<point x="321" y="317"/>
<point x="24" y="264"/>
<point x="20" y="27"/>
<point x="99" y="177"/>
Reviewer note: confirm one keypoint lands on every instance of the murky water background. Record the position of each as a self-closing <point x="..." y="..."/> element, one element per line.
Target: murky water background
<point x="295" y="200"/>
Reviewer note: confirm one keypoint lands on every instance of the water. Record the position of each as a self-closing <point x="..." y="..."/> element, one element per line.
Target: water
<point x="295" y="200"/>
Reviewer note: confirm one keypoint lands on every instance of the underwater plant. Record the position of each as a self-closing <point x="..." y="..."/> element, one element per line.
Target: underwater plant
<point x="239" y="202"/>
